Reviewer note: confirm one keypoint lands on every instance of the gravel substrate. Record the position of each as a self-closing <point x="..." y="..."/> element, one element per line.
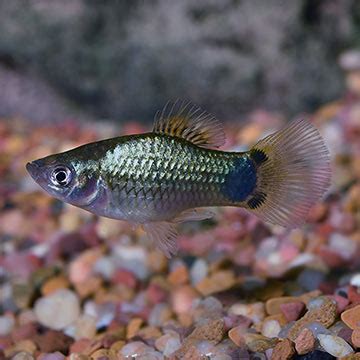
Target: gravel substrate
<point x="73" y="286"/>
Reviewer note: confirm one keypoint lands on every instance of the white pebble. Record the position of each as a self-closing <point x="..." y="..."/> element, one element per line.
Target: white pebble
<point x="342" y="245"/>
<point x="271" y="328"/>
<point x="198" y="271"/>
<point x="6" y="325"/>
<point x="103" y="313"/>
<point x="254" y="311"/>
<point x="335" y="345"/>
<point x="132" y="258"/>
<point x="317" y="329"/>
<point x="171" y="346"/>
<point x="355" y="280"/>
<point x="58" y="310"/>
<point x="23" y="355"/>
<point x="105" y="267"/>
<point x="139" y="350"/>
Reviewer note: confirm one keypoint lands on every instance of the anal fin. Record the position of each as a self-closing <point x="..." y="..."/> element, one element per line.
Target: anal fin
<point x="163" y="235"/>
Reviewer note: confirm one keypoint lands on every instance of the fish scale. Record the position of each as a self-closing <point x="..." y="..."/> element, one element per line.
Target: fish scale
<point x="197" y="172"/>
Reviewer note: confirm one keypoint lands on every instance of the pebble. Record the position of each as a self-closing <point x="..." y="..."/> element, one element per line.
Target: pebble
<point x="81" y="346"/>
<point x="104" y="313"/>
<point x="83" y="328"/>
<point x="217" y="282"/>
<point x="22" y="355"/>
<point x="342" y="245"/>
<point x="255" y="311"/>
<point x="102" y="354"/>
<point x="292" y="310"/>
<point x="79" y="357"/>
<point x="136" y="349"/>
<point x="335" y="345"/>
<point x="213" y="331"/>
<point x="179" y="275"/>
<point x="156" y="293"/>
<point x="132" y="258"/>
<point x="355" y="338"/>
<point x="353" y="295"/>
<point x="52" y="356"/>
<point x="168" y="344"/>
<point x="81" y="268"/>
<point x="149" y="333"/>
<point x="117" y="346"/>
<point x="89" y="287"/>
<point x="283" y="350"/>
<point x="259" y="343"/>
<point x="325" y="314"/>
<point x="27" y="346"/>
<point x="125" y="277"/>
<point x="6" y="325"/>
<point x="157" y="261"/>
<point x="54" y="284"/>
<point x="24" y="331"/>
<point x="310" y="279"/>
<point x="160" y="314"/>
<point x="351" y="317"/>
<point x="133" y="327"/>
<point x="355" y="280"/>
<point x="342" y="302"/>
<point x="182" y="299"/>
<point x="206" y="309"/>
<point x="305" y="342"/>
<point x="58" y="310"/>
<point x="199" y="270"/>
<point x="315" y="355"/>
<point x="272" y="305"/>
<point x="53" y="340"/>
<point x="236" y="335"/>
<point x="105" y="267"/>
<point x="270" y="328"/>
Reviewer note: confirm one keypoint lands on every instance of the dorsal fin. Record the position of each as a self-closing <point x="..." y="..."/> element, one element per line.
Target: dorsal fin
<point x="188" y="121"/>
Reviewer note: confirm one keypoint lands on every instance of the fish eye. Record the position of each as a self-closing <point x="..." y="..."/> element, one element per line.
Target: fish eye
<point x="61" y="176"/>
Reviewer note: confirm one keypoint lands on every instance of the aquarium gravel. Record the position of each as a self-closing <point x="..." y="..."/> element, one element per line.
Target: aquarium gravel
<point x="74" y="286"/>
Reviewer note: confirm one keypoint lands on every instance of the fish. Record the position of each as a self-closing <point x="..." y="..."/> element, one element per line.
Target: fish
<point x="177" y="173"/>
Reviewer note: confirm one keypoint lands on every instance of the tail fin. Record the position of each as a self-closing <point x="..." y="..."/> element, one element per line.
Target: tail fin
<point x="293" y="173"/>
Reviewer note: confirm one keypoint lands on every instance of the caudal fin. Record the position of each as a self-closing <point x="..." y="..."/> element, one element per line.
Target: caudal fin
<point x="293" y="173"/>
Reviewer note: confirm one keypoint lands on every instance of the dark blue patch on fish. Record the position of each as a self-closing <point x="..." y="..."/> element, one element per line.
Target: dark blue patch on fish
<point x="241" y="180"/>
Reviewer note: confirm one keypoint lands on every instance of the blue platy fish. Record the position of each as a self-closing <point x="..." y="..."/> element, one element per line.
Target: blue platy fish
<point x="174" y="173"/>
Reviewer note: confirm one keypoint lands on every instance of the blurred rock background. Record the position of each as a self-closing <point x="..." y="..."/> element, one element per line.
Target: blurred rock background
<point x="122" y="60"/>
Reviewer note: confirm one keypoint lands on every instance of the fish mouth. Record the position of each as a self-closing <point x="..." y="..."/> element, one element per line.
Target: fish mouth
<point x="34" y="169"/>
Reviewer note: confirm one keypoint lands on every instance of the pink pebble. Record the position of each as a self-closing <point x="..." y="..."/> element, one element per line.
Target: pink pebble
<point x="288" y="252"/>
<point x="341" y="302"/>
<point x="292" y="310"/>
<point x="232" y="321"/>
<point x="156" y="294"/>
<point x="125" y="277"/>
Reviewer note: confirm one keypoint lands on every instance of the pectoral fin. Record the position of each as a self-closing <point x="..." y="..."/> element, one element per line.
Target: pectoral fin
<point x="194" y="215"/>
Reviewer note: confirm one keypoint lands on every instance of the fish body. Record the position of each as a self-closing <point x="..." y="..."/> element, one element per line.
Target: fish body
<point x="174" y="174"/>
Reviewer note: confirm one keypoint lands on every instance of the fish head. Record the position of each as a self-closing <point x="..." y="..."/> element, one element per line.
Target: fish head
<point x="67" y="178"/>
